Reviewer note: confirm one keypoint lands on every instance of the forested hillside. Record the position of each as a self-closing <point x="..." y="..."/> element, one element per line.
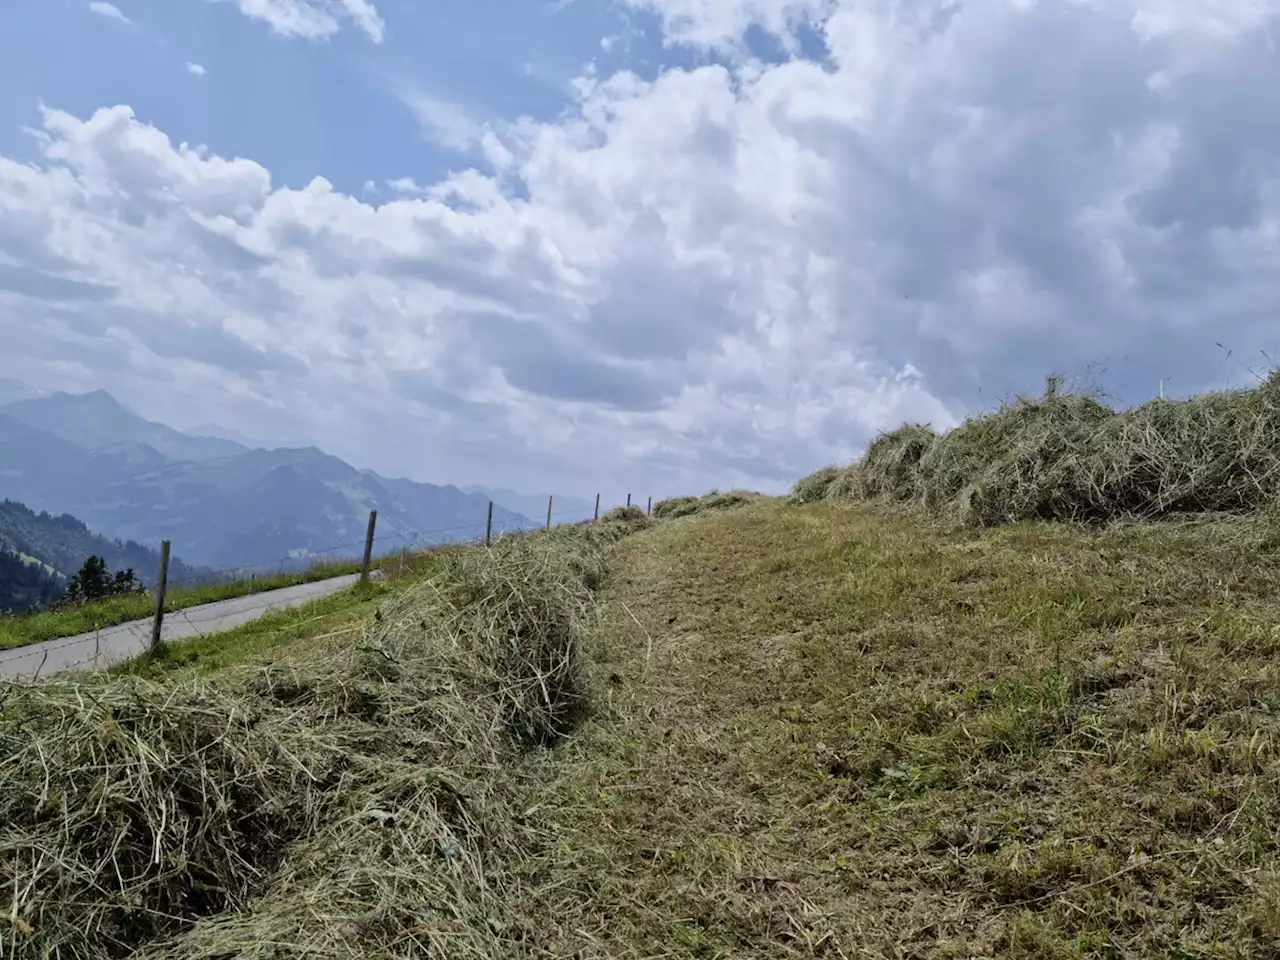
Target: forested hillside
<point x="38" y="552"/>
<point x="26" y="584"/>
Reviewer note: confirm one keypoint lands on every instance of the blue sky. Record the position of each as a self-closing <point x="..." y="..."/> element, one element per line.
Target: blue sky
<point x="667" y="244"/>
<point x="303" y="109"/>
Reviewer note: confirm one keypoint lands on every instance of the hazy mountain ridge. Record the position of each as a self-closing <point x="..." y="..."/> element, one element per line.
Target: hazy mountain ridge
<point x="251" y="507"/>
<point x="97" y="419"/>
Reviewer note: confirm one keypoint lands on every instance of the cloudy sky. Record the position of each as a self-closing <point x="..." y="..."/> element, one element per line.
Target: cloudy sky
<point x="659" y="245"/>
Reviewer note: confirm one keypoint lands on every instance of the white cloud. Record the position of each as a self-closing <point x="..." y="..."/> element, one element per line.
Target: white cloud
<point x="724" y="275"/>
<point x="108" y="10"/>
<point x="315" y="19"/>
<point x="722" y="24"/>
<point x="441" y="121"/>
<point x="407" y="186"/>
<point x="1223" y="18"/>
<point x="195" y="69"/>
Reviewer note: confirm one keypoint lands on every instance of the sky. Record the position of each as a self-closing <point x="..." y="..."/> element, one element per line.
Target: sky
<point x="654" y="245"/>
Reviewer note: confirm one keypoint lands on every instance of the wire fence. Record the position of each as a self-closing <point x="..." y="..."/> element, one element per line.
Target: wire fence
<point x="409" y="540"/>
<point x="410" y="543"/>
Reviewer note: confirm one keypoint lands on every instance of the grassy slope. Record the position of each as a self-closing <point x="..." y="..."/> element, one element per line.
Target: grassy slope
<point x="52" y="624"/>
<point x="843" y="732"/>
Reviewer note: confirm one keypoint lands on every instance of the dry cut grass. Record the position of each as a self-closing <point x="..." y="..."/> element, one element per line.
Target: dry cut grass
<point x="828" y="731"/>
<point x="713" y="502"/>
<point x="1069" y="457"/>
<point x="352" y="801"/>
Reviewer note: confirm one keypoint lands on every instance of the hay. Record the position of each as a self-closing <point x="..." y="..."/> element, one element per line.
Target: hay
<point x="997" y="468"/>
<point x="1069" y="457"/>
<point x="1218" y="452"/>
<point x="631" y="519"/>
<point x="713" y="502"/>
<point x="890" y="470"/>
<point x="675" y="507"/>
<point x="812" y="488"/>
<point x="353" y="803"/>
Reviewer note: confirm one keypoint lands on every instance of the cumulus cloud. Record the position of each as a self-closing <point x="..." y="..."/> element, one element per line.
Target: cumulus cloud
<point x="315" y="19"/>
<point x="195" y="69"/>
<point x="406" y="186"/>
<point x="108" y="10"/>
<point x="723" y="24"/>
<point x="721" y="275"/>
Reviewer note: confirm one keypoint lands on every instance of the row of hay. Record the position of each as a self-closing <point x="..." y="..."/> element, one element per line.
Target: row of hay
<point x="352" y="802"/>
<point x="713" y="502"/>
<point x="1072" y="458"/>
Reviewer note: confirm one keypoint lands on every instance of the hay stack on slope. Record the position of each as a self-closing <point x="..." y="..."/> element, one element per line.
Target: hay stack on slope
<point x="1072" y="458"/>
<point x="713" y="502"/>
<point x="1211" y="453"/>
<point x="999" y="468"/>
<point x="353" y="803"/>
<point x="814" y="487"/>
<point x="890" y="469"/>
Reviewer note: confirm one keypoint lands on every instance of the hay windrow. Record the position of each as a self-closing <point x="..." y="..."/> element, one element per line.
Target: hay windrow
<point x="351" y="803"/>
<point x="812" y="488"/>
<point x="891" y="468"/>
<point x="1069" y="457"/>
<point x="629" y="518"/>
<point x="713" y="502"/>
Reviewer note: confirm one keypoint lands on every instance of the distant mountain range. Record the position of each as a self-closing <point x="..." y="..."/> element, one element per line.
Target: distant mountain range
<point x="97" y="419"/>
<point x="40" y="552"/>
<point x="220" y="503"/>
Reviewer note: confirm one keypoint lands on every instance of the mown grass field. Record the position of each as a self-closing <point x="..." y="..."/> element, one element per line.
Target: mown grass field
<point x="829" y="731"/>
<point x="17" y="631"/>
<point x="848" y="731"/>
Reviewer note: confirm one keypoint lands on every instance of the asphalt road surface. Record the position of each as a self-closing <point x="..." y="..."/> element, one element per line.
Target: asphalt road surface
<point x="114" y="644"/>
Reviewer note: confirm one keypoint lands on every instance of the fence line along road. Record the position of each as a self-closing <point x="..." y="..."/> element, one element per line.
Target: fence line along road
<point x="103" y="648"/>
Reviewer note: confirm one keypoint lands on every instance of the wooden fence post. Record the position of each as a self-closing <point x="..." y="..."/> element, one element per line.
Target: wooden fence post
<point x="550" y="498"/>
<point x="628" y="499"/>
<point x="597" y="506"/>
<point x="162" y="584"/>
<point x="649" y="509"/>
<point x="368" y="545"/>
<point x="488" y="527"/>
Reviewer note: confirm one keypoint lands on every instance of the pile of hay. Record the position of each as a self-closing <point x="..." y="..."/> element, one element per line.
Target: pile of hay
<point x="353" y="803"/>
<point x="999" y="468"/>
<point x="1218" y="452"/>
<point x="713" y="502"/>
<point x="1069" y="457"/>
<point x="631" y="519"/>
<point x="814" y="487"/>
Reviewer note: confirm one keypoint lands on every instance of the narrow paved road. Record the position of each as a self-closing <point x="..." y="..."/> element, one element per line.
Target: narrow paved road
<point x="114" y="644"/>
